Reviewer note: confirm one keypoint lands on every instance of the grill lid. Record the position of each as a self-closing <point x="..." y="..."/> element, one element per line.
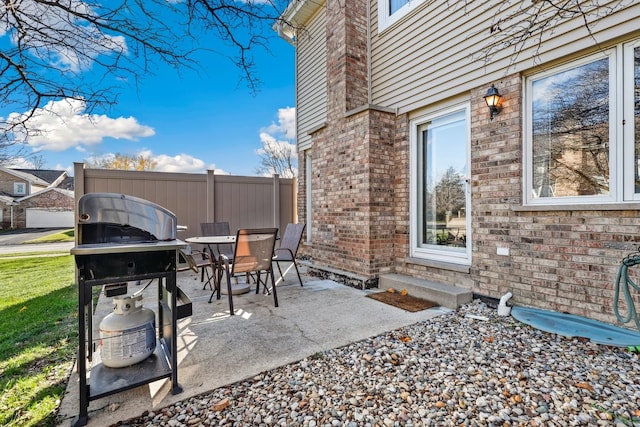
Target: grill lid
<point x="112" y="217"/>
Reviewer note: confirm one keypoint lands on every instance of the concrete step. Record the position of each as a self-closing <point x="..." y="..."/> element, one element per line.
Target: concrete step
<point x="445" y="295"/>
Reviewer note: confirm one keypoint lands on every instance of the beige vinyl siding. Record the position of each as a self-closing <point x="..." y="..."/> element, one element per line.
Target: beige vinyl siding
<point x="439" y="51"/>
<point x="311" y="77"/>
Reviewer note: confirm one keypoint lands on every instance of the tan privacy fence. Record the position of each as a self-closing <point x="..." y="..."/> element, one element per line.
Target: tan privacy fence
<point x="245" y="202"/>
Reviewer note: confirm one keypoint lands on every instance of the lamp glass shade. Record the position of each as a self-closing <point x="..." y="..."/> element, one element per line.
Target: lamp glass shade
<point x="492" y="98"/>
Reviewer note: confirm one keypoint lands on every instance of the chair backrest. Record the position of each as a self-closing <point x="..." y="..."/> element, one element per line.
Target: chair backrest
<point x="292" y="237"/>
<point x="218" y="229"/>
<point x="214" y="228"/>
<point x="254" y="249"/>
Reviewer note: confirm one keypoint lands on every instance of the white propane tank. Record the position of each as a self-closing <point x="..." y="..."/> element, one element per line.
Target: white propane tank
<point x="128" y="334"/>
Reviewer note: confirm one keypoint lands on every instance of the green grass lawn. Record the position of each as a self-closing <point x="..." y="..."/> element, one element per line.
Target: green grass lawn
<point x="38" y="337"/>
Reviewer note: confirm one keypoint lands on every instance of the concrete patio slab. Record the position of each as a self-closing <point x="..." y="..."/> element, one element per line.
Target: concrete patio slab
<point x="216" y="349"/>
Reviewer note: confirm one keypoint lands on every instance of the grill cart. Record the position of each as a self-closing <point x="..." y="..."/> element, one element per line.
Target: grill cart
<point x="123" y="240"/>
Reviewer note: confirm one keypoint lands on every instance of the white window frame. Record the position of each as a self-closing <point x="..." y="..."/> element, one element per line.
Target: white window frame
<point x="20" y="188"/>
<point x="386" y="18"/>
<point x="615" y="142"/>
<point x="443" y="254"/>
<point x="628" y="117"/>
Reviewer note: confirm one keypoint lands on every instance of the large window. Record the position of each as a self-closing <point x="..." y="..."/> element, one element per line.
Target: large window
<point x="582" y="130"/>
<point x="440" y="217"/>
<point x="390" y="11"/>
<point x="631" y="152"/>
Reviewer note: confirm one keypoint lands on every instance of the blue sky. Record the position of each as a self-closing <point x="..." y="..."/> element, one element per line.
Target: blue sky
<point x="189" y="121"/>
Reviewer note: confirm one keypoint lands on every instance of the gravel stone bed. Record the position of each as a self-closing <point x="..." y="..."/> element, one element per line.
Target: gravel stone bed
<point x="467" y="368"/>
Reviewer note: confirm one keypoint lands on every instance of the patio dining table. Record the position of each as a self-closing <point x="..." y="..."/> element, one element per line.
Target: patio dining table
<point x="236" y="287"/>
<point x="211" y="240"/>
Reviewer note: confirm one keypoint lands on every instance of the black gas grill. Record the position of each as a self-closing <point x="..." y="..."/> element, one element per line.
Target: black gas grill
<point x="122" y="240"/>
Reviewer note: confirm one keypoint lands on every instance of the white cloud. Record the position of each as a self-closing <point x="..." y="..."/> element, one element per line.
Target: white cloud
<point x="275" y="146"/>
<point x="60" y="125"/>
<point x="184" y="163"/>
<point x="286" y="126"/>
<point x="179" y="163"/>
<point x="280" y="137"/>
<point x="217" y="171"/>
<point x="278" y="142"/>
<point x="20" y="163"/>
<point x="60" y="167"/>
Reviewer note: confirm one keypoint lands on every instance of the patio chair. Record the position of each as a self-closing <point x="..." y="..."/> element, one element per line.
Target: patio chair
<point x="199" y="261"/>
<point x="217" y="229"/>
<point x="252" y="254"/>
<point x="288" y="248"/>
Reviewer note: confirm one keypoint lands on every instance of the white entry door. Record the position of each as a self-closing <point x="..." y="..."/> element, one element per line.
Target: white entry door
<point x="441" y="198"/>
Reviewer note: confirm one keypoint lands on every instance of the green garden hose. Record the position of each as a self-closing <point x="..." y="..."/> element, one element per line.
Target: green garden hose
<point x="624" y="283"/>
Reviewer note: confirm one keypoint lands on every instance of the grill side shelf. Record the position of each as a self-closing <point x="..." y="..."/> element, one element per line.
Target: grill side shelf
<point x="115" y="248"/>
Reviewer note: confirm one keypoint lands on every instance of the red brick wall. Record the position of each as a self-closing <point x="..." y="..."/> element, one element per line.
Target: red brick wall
<point x="352" y="187"/>
<point x="355" y="60"/>
<point x="496" y="185"/>
<point x="353" y="164"/>
<point x="563" y="260"/>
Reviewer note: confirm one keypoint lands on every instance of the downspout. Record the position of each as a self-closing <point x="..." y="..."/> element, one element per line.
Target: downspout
<point x="11" y="216"/>
<point x="369" y="97"/>
<point x="503" y="308"/>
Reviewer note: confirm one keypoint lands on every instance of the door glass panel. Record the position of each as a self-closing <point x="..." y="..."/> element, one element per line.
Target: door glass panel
<point x="442" y="172"/>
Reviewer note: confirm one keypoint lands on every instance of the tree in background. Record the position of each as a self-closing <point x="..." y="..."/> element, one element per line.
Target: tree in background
<point x="38" y="161"/>
<point x="449" y="193"/>
<point x="123" y="162"/>
<point x="277" y="157"/>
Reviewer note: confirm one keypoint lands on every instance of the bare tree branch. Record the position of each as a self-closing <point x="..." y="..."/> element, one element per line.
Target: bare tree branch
<point x="533" y="20"/>
<point x="278" y="157"/>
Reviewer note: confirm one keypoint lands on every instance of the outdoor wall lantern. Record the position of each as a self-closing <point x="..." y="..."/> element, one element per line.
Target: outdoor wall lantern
<point x="492" y="98"/>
